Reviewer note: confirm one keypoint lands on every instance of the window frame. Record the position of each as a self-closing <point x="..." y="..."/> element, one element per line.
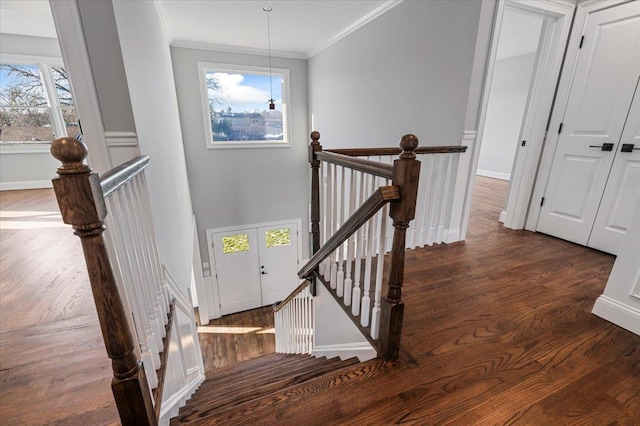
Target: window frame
<point x="204" y="67"/>
<point x="45" y="65"/>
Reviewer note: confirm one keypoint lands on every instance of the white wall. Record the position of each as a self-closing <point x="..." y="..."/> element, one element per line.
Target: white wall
<point x="620" y="302"/>
<point x="507" y="101"/>
<point x="147" y="62"/>
<point x="241" y="186"/>
<point x="33" y="166"/>
<point x="407" y="71"/>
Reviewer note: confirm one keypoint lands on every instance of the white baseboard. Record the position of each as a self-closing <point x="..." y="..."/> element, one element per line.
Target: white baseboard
<point x="618" y="313"/>
<point x="492" y="174"/>
<point x="363" y="350"/>
<point x="503" y="216"/>
<point x="451" y="236"/>
<point x="25" y="184"/>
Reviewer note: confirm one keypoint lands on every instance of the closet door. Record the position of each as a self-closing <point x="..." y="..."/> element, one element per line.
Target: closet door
<point x="603" y="87"/>
<point x="622" y="192"/>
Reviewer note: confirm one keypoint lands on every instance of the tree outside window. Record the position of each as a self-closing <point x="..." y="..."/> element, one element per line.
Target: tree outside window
<point x="35" y="104"/>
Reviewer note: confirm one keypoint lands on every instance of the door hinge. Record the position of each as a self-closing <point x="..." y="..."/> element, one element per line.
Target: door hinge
<point x="560" y="128"/>
<point x="523" y="143"/>
<point x="581" y="41"/>
<point x="542" y="202"/>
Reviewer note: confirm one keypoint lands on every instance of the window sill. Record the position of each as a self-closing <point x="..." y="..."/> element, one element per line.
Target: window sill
<point x="248" y="144"/>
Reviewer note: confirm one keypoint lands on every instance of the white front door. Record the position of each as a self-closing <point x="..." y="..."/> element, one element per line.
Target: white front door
<point x="255" y="265"/>
<point x="603" y="87"/>
<point x="278" y="261"/>
<point x="237" y="263"/>
<point x="622" y="192"/>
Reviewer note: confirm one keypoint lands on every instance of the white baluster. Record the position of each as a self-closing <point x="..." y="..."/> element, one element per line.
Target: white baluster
<point x="433" y="208"/>
<point x="366" y="298"/>
<point x="147" y="345"/>
<point x="334" y="225"/>
<point x="375" y="312"/>
<point x="355" y="306"/>
<point x="442" y="205"/>
<point x="161" y="287"/>
<point x="341" y="218"/>
<point x="330" y="218"/>
<point x="348" y="281"/>
<point x="426" y="175"/>
<point x="323" y="213"/>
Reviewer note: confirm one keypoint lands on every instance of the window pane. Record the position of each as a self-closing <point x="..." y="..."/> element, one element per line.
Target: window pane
<point x="25" y="125"/>
<point x="71" y="121"/>
<point x="278" y="237"/>
<point x="239" y="106"/>
<point x="235" y="243"/>
<point x="21" y="85"/>
<point x="61" y="81"/>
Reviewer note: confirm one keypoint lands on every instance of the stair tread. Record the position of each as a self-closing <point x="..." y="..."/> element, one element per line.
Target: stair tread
<point x="247" y="392"/>
<point x="212" y="388"/>
<point x="250" y="410"/>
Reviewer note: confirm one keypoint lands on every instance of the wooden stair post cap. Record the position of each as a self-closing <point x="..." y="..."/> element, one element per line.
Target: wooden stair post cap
<point x="408" y="143"/>
<point x="71" y="153"/>
<point x="315" y="135"/>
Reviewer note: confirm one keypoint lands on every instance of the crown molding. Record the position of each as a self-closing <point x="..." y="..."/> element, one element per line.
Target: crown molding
<point x="383" y="8"/>
<point x="236" y="49"/>
<point x="165" y="25"/>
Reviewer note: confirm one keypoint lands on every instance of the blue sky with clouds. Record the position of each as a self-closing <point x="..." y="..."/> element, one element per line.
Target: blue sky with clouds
<point x="247" y="92"/>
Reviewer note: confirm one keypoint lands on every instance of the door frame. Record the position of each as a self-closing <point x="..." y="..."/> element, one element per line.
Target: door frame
<point x="562" y="98"/>
<point x="214" y="302"/>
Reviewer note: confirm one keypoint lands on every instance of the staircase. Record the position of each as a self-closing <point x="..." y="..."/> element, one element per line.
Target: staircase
<point x="240" y="392"/>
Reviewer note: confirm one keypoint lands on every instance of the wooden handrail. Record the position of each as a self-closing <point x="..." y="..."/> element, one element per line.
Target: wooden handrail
<point x="82" y="205"/>
<point x="118" y="176"/>
<point x="379" y="198"/>
<point x="293" y="294"/>
<point x="363" y="152"/>
<point x="366" y="166"/>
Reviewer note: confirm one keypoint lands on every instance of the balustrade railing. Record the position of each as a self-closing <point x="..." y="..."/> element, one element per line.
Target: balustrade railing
<point x="293" y="319"/>
<point x="351" y="201"/>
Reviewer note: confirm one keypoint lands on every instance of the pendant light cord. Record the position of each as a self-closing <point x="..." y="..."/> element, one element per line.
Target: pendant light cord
<point x="269" y="40"/>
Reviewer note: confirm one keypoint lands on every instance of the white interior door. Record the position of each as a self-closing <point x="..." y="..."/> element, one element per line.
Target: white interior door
<point x="237" y="262"/>
<point x="622" y="192"/>
<point x="603" y="87"/>
<point x="278" y="261"/>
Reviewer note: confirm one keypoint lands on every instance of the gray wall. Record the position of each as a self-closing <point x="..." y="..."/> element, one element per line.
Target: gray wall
<point x="507" y="100"/>
<point x="408" y="71"/>
<point x="242" y="186"/>
<point x="103" y="45"/>
<point x="147" y="61"/>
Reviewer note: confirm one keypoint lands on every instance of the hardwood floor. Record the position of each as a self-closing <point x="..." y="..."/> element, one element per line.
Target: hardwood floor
<point x="497" y="330"/>
<point x="53" y="364"/>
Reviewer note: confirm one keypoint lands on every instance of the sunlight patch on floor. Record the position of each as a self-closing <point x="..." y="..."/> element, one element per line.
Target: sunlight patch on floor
<point x="234" y="329"/>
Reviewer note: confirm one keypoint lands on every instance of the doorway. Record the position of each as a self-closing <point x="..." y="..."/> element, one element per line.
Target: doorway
<point x="518" y="49"/>
<point x="527" y="48"/>
<point x="254" y="265"/>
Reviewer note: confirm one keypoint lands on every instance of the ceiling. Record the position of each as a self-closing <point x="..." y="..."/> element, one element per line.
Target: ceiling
<point x="298" y="28"/>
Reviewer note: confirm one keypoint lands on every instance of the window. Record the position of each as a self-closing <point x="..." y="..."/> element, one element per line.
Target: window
<point x="235" y="243"/>
<point x="35" y="104"/>
<point x="235" y="102"/>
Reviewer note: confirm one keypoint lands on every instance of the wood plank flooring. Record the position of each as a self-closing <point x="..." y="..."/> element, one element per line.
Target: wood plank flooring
<point x="497" y="330"/>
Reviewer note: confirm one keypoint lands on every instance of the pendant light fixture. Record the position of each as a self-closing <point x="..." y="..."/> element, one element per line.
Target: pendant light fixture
<point x="272" y="104"/>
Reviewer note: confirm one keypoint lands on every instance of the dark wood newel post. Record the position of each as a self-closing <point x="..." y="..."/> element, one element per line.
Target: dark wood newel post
<point x="314" y="148"/>
<point x="406" y="172"/>
<point x="82" y="205"/>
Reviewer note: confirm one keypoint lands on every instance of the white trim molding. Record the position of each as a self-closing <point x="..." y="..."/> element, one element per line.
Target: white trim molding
<point x="187" y="44"/>
<point x="363" y="350"/>
<point x="25" y="148"/>
<point x="494" y="175"/>
<point x="383" y="8"/>
<point x="26" y="184"/>
<point x="66" y="17"/>
<point x="618" y="313"/>
<point x="121" y="139"/>
<point x="451" y="236"/>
